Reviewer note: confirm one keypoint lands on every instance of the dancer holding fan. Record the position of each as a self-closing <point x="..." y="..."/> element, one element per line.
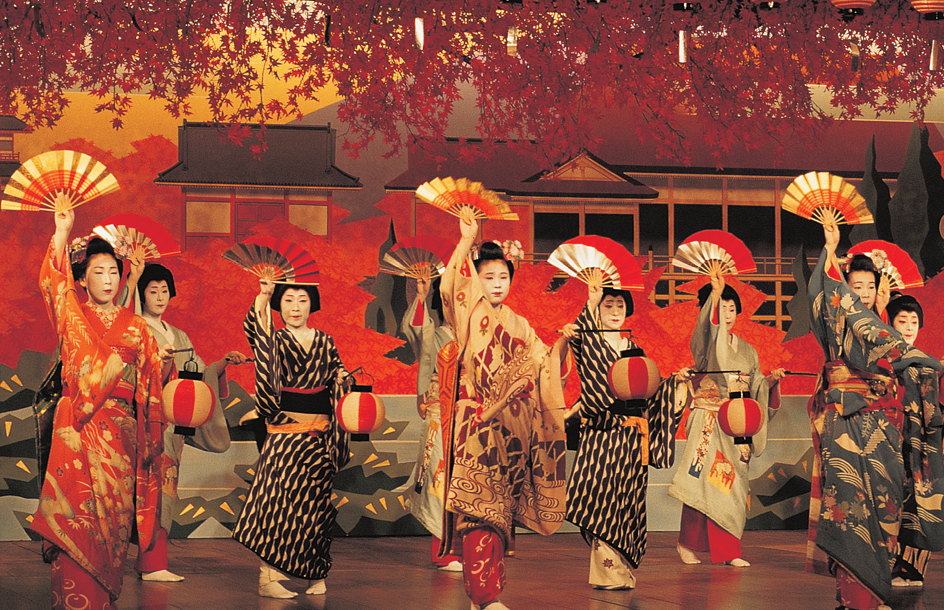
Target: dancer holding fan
<point x="423" y="258"/>
<point x="619" y="439"/>
<point x="155" y="289"/>
<point x="504" y="432"/>
<point x="874" y="389"/>
<point x="712" y="477"/>
<point x="288" y="515"/>
<point x="103" y="480"/>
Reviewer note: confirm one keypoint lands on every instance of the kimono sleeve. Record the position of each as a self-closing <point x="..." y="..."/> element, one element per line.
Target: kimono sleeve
<point x="422" y="341"/>
<point x="264" y="350"/>
<point x="705" y="336"/>
<point x="90" y="369"/>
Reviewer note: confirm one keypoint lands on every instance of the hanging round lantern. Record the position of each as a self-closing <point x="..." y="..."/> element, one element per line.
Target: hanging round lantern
<point x="633" y="376"/>
<point x="360" y="412"/>
<point x="741" y="417"/>
<point x="850" y="9"/>
<point x="187" y="402"/>
<point x="932" y="10"/>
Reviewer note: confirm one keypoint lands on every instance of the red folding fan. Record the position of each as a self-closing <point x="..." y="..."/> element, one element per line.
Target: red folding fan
<point x="892" y="262"/>
<point x="826" y="198"/>
<point x="147" y="239"/>
<point x="711" y="249"/>
<point x="465" y="199"/>
<point x="57" y="180"/>
<point x="598" y="260"/>
<point x="419" y="257"/>
<point x="274" y="259"/>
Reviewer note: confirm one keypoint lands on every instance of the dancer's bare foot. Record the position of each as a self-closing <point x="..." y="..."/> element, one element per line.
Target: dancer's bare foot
<point x="161" y="576"/>
<point x="687" y="555"/>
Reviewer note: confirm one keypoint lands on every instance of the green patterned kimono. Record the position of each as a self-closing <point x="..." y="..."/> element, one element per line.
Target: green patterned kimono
<point x="869" y="477"/>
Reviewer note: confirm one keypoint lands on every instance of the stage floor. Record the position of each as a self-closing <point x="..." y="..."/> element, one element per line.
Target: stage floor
<point x="394" y="573"/>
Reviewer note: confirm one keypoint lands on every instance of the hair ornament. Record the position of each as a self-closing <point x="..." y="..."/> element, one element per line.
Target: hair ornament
<point x="511" y="250"/>
<point x="79" y="245"/>
<point x="879" y="260"/>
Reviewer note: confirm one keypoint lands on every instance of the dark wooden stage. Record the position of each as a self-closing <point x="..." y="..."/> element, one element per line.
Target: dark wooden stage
<point x="393" y="573"/>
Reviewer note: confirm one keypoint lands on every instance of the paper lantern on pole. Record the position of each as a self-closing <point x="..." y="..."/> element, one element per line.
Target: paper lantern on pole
<point x="741" y="417"/>
<point x="360" y="412"/>
<point x="850" y="9"/>
<point x="633" y="376"/>
<point x="932" y="10"/>
<point x="188" y="402"/>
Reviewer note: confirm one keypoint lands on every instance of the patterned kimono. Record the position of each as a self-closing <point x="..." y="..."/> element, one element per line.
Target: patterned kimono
<point x="505" y="438"/>
<point x="104" y="479"/>
<point x="213" y="436"/>
<point x="426" y="485"/>
<point x="712" y="476"/>
<point x="876" y="427"/>
<point x="288" y="515"/>
<point x="606" y="493"/>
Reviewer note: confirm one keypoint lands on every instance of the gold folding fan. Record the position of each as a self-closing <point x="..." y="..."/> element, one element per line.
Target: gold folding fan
<point x="826" y="199"/>
<point x="57" y="180"/>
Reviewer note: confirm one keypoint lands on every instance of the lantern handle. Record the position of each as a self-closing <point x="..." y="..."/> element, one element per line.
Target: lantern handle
<point x="359" y="369"/>
<point x="801" y="373"/>
<point x="191" y="362"/>
<point x="739" y="373"/>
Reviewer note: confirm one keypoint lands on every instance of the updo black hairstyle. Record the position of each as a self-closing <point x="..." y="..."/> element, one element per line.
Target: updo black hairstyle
<point x="728" y="294"/>
<point x="609" y="291"/>
<point x="96" y="245"/>
<point x="275" y="302"/>
<point x="904" y="302"/>
<point x="155" y="272"/>
<point x="490" y="251"/>
<point x="862" y="262"/>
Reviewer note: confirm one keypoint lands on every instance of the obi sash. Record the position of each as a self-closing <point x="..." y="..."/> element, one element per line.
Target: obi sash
<point x="312" y="402"/>
<point x="881" y="392"/>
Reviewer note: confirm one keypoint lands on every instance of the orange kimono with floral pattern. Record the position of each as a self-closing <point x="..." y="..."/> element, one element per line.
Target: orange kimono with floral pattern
<point x="104" y="477"/>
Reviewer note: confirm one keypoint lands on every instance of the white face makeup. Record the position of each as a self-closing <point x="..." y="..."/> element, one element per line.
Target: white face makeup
<point x="612" y="312"/>
<point x="496" y="281"/>
<point x="295" y="306"/>
<point x="863" y="284"/>
<point x="156" y="298"/>
<point x="908" y="324"/>
<point x="101" y="279"/>
<point x="729" y="312"/>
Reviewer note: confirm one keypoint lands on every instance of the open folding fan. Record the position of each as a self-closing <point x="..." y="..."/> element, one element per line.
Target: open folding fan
<point x="420" y="257"/>
<point x="278" y="260"/>
<point x="465" y="199"/>
<point x="595" y="259"/>
<point x="826" y="198"/>
<point x="57" y="180"/>
<point x="892" y="262"/>
<point x="705" y="251"/>
<point x="146" y="237"/>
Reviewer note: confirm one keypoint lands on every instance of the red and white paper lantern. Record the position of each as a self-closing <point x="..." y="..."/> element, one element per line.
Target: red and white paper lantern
<point x="741" y="417"/>
<point x="634" y="377"/>
<point x="187" y="402"/>
<point x="360" y="412"/>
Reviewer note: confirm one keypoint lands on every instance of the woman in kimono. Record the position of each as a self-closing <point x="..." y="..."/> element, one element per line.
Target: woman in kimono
<point x="712" y="478"/>
<point x="155" y="289"/>
<point x="875" y="391"/>
<point x="907" y="317"/>
<point x="288" y="515"/>
<point x="426" y="485"/>
<point x="504" y="435"/>
<point x="103" y="481"/>
<point x="619" y="440"/>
